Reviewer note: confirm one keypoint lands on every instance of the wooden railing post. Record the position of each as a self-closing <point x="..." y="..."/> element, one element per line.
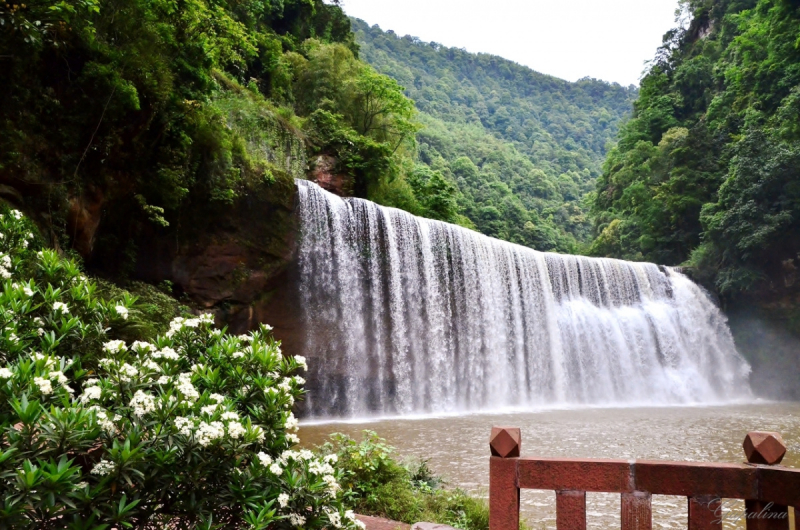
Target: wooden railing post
<point x="637" y="512"/>
<point x="571" y="510"/>
<point x="505" y="443"/>
<point x="705" y="513"/>
<point x="765" y="448"/>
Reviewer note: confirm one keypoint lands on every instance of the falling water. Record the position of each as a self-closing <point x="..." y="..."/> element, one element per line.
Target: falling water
<point x="407" y="315"/>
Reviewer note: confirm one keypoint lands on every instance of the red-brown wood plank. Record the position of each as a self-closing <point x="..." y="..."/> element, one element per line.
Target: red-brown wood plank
<point x="571" y="510"/>
<point x="503" y="494"/>
<point x="637" y="513"/>
<point x="705" y="513"/>
<point x="575" y="474"/>
<point x="690" y="479"/>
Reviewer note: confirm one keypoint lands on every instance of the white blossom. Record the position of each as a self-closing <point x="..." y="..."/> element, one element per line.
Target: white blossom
<point x="301" y="361"/>
<point x="334" y="517"/>
<point x="103" y="419"/>
<point x="115" y="346"/>
<point x="102" y="468"/>
<point x="127" y="372"/>
<point x="59" y="376"/>
<point x="283" y="500"/>
<point x="90" y="393"/>
<point x="219" y="398"/>
<point x="122" y="311"/>
<point x="45" y="387"/>
<point x="293" y="438"/>
<point x="291" y="423"/>
<point x="5" y="373"/>
<point x="331" y="459"/>
<point x="142" y="403"/>
<point x="236" y="430"/>
<point x="264" y="458"/>
<point x="299" y="380"/>
<point x="164" y="380"/>
<point x="184" y="425"/>
<point x="151" y="365"/>
<point x="318" y="468"/>
<point x="166" y="353"/>
<point x="61" y="306"/>
<point x="332" y="486"/>
<point x="296" y="519"/>
<point x="275" y="469"/>
<point x="230" y="415"/>
<point x="142" y="347"/>
<point x="208" y="432"/>
<point x="186" y="388"/>
<point x="209" y="409"/>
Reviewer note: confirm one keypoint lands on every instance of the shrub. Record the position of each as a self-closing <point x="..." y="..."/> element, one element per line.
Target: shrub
<point x="376" y="483"/>
<point x="192" y="429"/>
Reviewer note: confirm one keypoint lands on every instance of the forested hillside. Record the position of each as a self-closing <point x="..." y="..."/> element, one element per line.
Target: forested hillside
<point x="116" y="116"/>
<point x="707" y="170"/>
<point x="522" y="147"/>
<point x="707" y="173"/>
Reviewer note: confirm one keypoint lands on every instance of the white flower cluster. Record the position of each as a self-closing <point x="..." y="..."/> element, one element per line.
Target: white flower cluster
<point x="142" y="403"/>
<point x="115" y="346"/>
<point x="102" y="468"/>
<point x="186" y="387"/>
<point x="122" y="311"/>
<point x="91" y="393"/>
<point x="301" y="361"/>
<point x="5" y="373"/>
<point x="5" y="265"/>
<point x="61" y="307"/>
<point x="296" y="519"/>
<point x="209" y="432"/>
<point x="166" y="353"/>
<point x="181" y="323"/>
<point x="103" y="420"/>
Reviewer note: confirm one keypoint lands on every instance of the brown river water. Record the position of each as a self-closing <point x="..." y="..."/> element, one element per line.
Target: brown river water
<point x="457" y="447"/>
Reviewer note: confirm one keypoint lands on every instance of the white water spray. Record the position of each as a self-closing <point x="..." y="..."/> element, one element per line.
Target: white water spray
<point x="407" y="315"/>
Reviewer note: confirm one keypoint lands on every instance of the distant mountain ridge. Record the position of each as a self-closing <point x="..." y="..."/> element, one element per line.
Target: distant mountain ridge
<point x="535" y="143"/>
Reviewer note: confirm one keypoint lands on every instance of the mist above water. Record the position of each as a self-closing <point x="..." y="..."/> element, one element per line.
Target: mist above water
<point x="405" y="315"/>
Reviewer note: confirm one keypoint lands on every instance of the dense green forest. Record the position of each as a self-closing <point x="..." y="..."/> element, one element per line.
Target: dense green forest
<point x="706" y="171"/>
<point x="522" y="148"/>
<point x="142" y="108"/>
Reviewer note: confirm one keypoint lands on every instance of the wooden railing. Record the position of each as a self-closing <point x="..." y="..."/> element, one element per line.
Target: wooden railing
<point x="768" y="489"/>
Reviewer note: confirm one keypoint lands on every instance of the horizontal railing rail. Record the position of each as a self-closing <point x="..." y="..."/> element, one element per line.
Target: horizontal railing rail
<point x="768" y="489"/>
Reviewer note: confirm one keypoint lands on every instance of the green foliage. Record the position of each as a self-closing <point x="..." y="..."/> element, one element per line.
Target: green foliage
<point x="521" y="148"/>
<point x="706" y="171"/>
<point x="376" y="483"/>
<point x="189" y="429"/>
<point x="147" y="106"/>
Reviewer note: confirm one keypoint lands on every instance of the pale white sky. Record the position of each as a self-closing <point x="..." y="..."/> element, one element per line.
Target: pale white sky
<point x="570" y="39"/>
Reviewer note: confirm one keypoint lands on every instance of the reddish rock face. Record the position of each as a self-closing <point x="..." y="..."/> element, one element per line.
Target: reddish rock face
<point x="323" y="172"/>
<point x="764" y="447"/>
<point x="83" y="218"/>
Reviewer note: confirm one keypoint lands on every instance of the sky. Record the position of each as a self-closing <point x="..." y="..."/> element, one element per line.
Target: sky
<point x="570" y="39"/>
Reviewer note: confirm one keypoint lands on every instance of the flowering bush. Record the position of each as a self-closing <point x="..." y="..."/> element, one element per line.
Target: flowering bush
<point x="192" y="429"/>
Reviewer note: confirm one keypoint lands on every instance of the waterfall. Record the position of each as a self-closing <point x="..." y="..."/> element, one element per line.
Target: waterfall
<point x="408" y="315"/>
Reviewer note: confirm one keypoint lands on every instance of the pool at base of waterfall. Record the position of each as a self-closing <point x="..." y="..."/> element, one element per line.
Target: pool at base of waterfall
<point x="457" y="447"/>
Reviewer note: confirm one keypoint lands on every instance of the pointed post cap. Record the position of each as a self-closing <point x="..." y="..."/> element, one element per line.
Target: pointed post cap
<point x="764" y="447"/>
<point x="505" y="442"/>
